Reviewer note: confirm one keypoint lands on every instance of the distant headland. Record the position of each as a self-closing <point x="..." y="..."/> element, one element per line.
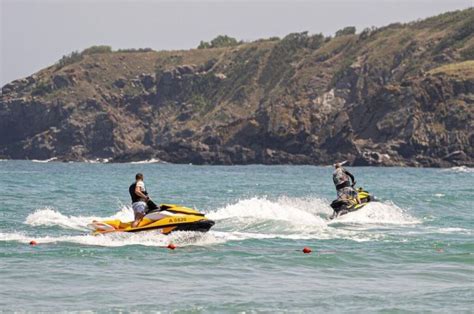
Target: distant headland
<point x="399" y="95"/>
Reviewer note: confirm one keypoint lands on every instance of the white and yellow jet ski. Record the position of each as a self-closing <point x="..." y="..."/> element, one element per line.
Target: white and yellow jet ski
<point x="166" y="218"/>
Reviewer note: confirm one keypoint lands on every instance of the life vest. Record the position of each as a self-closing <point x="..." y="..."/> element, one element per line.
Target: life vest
<point x="135" y="197"/>
<point x="340" y="178"/>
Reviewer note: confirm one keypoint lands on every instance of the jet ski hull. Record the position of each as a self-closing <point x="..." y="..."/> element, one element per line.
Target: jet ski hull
<point x="343" y="207"/>
<point x="166" y="218"/>
<point x="198" y="226"/>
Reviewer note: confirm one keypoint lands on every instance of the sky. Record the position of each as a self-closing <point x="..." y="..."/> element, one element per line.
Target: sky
<point x="37" y="33"/>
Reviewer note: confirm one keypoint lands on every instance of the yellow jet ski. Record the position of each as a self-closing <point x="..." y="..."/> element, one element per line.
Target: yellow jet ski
<point x="166" y="218"/>
<point x="345" y="206"/>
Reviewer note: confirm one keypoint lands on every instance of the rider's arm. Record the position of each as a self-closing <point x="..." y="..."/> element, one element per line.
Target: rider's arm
<point x="140" y="193"/>
<point x="350" y="175"/>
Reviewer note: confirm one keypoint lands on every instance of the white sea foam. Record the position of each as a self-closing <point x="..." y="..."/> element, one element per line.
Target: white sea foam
<point x="462" y="169"/>
<point x="152" y="238"/>
<point x="455" y="230"/>
<point x="329" y="233"/>
<point x="307" y="212"/>
<point x="262" y="213"/>
<point x="148" y="161"/>
<point x="45" y="160"/>
<point x="98" y="161"/>
<point x="296" y="218"/>
<point x="51" y="217"/>
<point x="379" y="213"/>
<point x="253" y="218"/>
<point x="438" y="230"/>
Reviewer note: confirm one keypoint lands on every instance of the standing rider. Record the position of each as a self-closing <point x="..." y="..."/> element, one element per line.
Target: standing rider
<point x="344" y="187"/>
<point x="139" y="197"/>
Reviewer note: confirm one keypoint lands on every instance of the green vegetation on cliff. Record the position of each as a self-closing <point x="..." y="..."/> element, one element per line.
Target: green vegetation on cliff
<point x="219" y="42"/>
<point x="396" y="95"/>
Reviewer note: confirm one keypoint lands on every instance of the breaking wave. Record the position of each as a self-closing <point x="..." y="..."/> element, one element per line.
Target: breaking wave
<point x="148" y="161"/>
<point x="44" y="160"/>
<point x="98" y="161"/>
<point x="460" y="169"/>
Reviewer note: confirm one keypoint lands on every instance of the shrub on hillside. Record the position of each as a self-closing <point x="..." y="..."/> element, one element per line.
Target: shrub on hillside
<point x="219" y="41"/>
<point x="295" y="40"/>
<point x="204" y="45"/>
<point x="262" y="40"/>
<point x="76" y="56"/>
<point x="458" y="37"/>
<point x="316" y="41"/>
<point x="135" y="50"/>
<point x="444" y="20"/>
<point x="367" y="32"/>
<point x="349" y="30"/>
<point x="284" y="52"/>
<point x="71" y="58"/>
<point x="96" y="49"/>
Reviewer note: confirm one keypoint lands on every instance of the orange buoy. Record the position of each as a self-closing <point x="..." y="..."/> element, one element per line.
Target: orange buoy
<point x="33" y="242"/>
<point x="307" y="250"/>
<point x="171" y="246"/>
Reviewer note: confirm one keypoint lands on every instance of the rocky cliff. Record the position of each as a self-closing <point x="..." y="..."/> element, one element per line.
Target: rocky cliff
<point x="398" y="95"/>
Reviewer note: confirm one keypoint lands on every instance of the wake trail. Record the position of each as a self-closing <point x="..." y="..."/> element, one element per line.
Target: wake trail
<point x="50" y="217"/>
<point x="151" y="238"/>
<point x="256" y="218"/>
<point x="378" y="213"/>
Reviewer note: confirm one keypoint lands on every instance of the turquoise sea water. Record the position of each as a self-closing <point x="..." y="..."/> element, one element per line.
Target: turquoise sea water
<point x="411" y="252"/>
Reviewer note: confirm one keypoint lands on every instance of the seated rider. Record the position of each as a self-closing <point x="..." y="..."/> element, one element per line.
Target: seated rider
<point x="140" y="198"/>
<point x="344" y="187"/>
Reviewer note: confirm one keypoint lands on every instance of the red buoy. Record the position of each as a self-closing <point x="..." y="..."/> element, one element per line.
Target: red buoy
<point x="33" y="242"/>
<point x="307" y="250"/>
<point x="171" y="246"/>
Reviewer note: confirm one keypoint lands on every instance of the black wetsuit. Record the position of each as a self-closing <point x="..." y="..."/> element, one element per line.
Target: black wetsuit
<point x="135" y="198"/>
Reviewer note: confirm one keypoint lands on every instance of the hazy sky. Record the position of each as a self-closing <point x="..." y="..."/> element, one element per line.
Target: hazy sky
<point x="37" y="33"/>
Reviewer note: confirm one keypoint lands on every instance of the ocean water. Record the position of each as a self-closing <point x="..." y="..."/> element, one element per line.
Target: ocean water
<point x="413" y="251"/>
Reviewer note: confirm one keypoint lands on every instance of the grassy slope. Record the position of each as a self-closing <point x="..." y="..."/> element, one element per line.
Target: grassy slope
<point x="96" y="73"/>
<point x="463" y="70"/>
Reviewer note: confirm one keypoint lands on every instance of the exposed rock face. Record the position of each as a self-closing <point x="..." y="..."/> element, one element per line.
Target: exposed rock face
<point x="61" y="81"/>
<point x="400" y="95"/>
